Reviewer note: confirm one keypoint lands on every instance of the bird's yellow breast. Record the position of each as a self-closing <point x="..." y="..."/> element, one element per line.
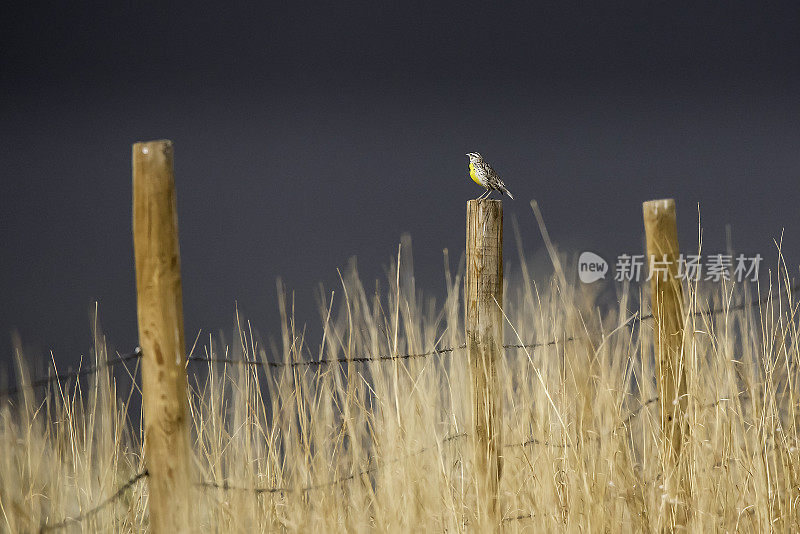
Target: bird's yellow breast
<point x="473" y="175"/>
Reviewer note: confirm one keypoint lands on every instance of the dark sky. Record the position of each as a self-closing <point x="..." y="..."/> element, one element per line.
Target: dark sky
<point x="307" y="134"/>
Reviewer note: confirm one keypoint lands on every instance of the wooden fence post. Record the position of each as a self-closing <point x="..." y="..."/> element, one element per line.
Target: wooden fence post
<point x="160" y="314"/>
<point x="667" y="303"/>
<point x="483" y="298"/>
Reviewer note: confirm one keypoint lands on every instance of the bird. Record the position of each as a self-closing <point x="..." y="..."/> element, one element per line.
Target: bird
<point x="484" y="175"/>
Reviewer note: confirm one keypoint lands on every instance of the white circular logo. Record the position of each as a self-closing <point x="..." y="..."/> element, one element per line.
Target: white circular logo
<point x="591" y="267"/>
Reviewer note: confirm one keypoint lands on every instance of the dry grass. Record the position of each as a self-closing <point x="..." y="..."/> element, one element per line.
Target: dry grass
<point x="386" y="446"/>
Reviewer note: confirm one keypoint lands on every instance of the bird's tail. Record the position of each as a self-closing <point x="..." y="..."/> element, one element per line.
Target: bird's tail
<point x="507" y="192"/>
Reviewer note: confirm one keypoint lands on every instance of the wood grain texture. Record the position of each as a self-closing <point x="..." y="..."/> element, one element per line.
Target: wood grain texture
<point x="161" y="337"/>
<point x="661" y="231"/>
<point x="483" y="300"/>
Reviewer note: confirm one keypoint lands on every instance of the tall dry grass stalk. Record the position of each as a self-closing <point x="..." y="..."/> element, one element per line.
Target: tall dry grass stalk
<point x="385" y="446"/>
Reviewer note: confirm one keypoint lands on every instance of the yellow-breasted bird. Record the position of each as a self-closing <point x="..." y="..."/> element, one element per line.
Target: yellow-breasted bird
<point x="484" y="175"/>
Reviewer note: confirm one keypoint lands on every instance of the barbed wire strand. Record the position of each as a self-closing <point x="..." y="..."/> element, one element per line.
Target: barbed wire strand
<point x="225" y="486"/>
<point x="736" y="307"/>
<point x="530" y="441"/>
<point x="330" y="483"/>
<point x="448" y="350"/>
<point x="93" y="511"/>
<point x="80" y="373"/>
<point x="361" y="359"/>
<point x="326" y="361"/>
<point x="517" y="517"/>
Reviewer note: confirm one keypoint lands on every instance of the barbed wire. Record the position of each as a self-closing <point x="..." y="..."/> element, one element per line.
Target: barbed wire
<point x="449" y="350"/>
<point x="336" y="481"/>
<point x="80" y="373"/>
<point x="225" y="486"/>
<point x="517" y="517"/>
<point x="623" y="424"/>
<point x="137" y="353"/>
<point x="366" y="359"/>
<point x="735" y="307"/>
<point x="561" y="445"/>
<point x="93" y="511"/>
<point x="285" y="489"/>
<point x="326" y="361"/>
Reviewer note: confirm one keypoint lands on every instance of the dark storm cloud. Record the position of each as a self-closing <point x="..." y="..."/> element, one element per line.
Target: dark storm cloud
<point x="307" y="134"/>
<point x="349" y="44"/>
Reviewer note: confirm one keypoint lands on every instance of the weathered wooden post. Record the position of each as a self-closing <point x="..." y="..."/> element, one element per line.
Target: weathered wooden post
<point x="483" y="298"/>
<point x="160" y="313"/>
<point x="667" y="302"/>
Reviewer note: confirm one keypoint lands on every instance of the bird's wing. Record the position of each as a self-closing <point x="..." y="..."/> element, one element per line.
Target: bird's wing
<point x="492" y="174"/>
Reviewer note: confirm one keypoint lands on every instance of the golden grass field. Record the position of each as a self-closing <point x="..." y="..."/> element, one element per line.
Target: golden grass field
<point x="387" y="445"/>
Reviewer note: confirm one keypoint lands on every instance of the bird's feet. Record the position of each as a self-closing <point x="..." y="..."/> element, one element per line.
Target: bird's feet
<point x="485" y="195"/>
